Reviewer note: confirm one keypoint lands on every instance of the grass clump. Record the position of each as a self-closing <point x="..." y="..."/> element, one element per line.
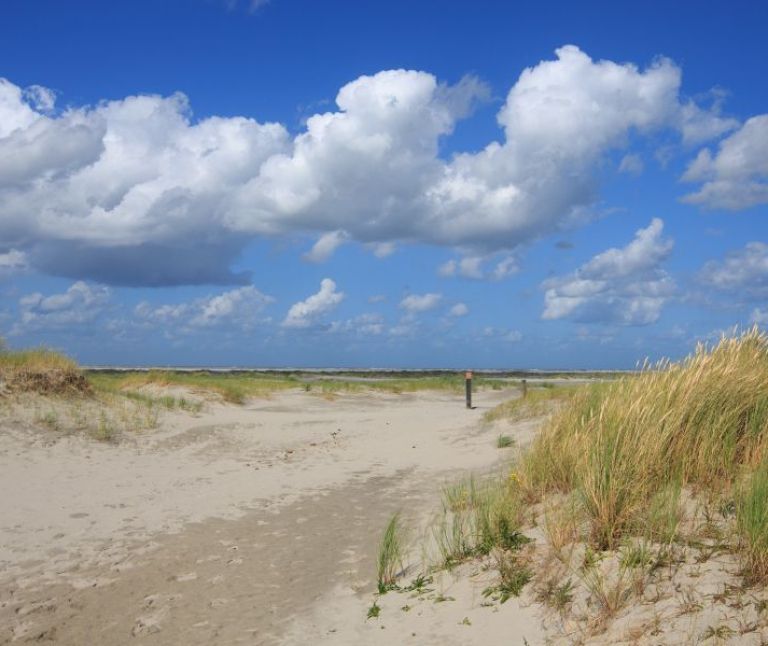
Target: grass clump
<point x="752" y="521"/>
<point x="628" y="447"/>
<point x="389" y="562"/>
<point x="504" y="441"/>
<point x="478" y="517"/>
<point x="41" y="371"/>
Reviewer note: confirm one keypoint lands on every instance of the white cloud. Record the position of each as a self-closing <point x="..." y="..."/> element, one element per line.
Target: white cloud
<point x="377" y="298"/>
<point x="743" y="272"/>
<point x="736" y="177"/>
<point x="472" y="267"/>
<point x="383" y="249"/>
<point x="511" y="336"/>
<point x="631" y="164"/>
<point x="134" y="191"/>
<point x="460" y="309"/>
<point x="13" y="261"/>
<point x="468" y="267"/>
<point x="325" y="246"/>
<point x="363" y="325"/>
<point x="81" y="303"/>
<point x="625" y="286"/>
<point x="305" y="313"/>
<point x="698" y="125"/>
<point x="506" y="267"/>
<point x="759" y="316"/>
<point x="237" y="307"/>
<point x="415" y="303"/>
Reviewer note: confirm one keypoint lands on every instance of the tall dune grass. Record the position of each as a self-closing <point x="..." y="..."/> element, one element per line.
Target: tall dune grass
<point x="701" y="423"/>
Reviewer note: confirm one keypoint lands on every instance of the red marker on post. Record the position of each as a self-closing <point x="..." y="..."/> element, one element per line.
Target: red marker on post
<point x="468" y="384"/>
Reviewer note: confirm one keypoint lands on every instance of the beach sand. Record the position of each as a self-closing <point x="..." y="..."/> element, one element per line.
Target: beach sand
<point x="254" y="524"/>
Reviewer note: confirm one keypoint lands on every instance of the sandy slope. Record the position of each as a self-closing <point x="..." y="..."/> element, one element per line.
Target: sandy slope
<point x="254" y="524"/>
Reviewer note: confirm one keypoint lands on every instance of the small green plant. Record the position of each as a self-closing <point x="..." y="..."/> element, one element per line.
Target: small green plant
<point x="419" y="584"/>
<point x="390" y="559"/>
<point x="718" y="633"/>
<point x="636" y="554"/>
<point x="556" y="595"/>
<point x="514" y="576"/>
<point x="504" y="441"/>
<point x="374" y="611"/>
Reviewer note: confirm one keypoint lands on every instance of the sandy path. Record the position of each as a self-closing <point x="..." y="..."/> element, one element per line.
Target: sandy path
<point x="242" y="525"/>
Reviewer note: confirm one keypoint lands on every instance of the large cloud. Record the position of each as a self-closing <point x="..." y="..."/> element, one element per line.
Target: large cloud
<point x="624" y="286"/>
<point x="736" y="177"/>
<point x="135" y="192"/>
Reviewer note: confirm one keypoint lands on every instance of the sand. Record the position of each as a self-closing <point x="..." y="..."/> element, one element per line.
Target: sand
<point x="254" y="524"/>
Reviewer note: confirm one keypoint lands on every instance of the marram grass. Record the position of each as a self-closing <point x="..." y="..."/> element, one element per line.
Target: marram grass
<point x="623" y="446"/>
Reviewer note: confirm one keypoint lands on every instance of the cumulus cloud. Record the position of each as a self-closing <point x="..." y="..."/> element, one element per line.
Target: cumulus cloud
<point x="460" y="309"/>
<point x="81" y="303"/>
<point x="306" y="312"/>
<point x="624" y="286"/>
<point x="238" y="307"/>
<point x="742" y="273"/>
<point x="136" y="192"/>
<point x="736" y="176"/>
<point x="416" y="303"/>
<point x="325" y="246"/>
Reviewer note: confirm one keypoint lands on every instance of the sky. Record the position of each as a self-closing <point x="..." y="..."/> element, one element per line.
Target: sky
<point x="422" y="184"/>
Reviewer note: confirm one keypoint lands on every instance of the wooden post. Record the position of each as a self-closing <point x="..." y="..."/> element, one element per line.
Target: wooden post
<point x="525" y="388"/>
<point x="468" y="384"/>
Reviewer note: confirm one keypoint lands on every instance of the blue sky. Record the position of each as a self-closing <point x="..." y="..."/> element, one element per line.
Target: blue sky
<point x="420" y="184"/>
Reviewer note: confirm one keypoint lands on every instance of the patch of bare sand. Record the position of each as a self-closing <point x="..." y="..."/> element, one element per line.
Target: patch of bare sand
<point x="239" y="525"/>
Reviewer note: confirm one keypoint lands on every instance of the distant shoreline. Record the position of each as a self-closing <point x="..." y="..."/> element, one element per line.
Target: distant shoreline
<point x="368" y="372"/>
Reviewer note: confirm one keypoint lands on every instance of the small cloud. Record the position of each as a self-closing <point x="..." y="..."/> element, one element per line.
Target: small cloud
<point x="506" y="267"/>
<point x="631" y="165"/>
<point x="304" y="313"/>
<point x="13" y="262"/>
<point x="511" y="336"/>
<point x="624" y="285"/>
<point x="238" y="307"/>
<point x="377" y="298"/>
<point x="420" y="303"/>
<point x="383" y="249"/>
<point x="81" y="303"/>
<point x="460" y="309"/>
<point x="447" y="269"/>
<point x="564" y="245"/>
<point x="759" y="316"/>
<point x="325" y="246"/>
